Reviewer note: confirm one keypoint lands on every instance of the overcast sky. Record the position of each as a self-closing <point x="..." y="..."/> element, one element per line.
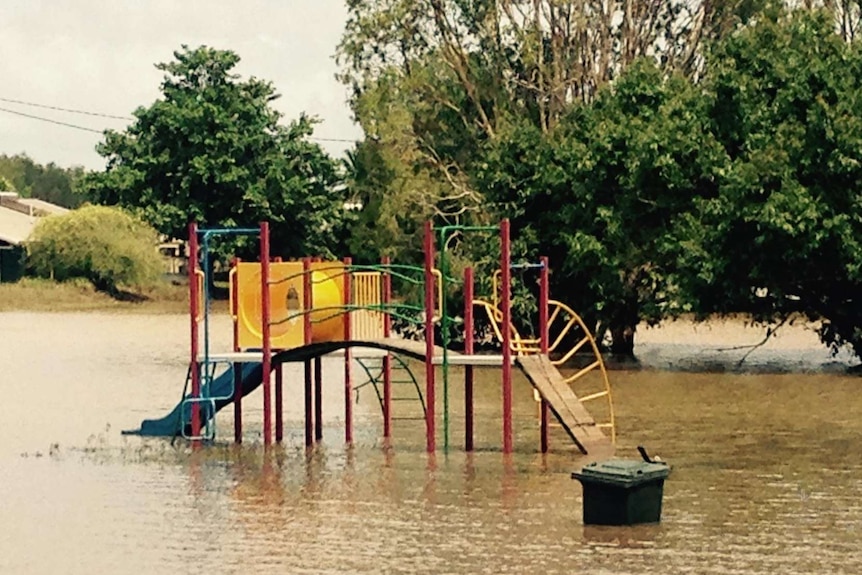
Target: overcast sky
<point x="99" y="55"/>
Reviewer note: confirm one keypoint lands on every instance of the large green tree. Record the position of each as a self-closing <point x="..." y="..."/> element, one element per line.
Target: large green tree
<point x="627" y="140"/>
<point x="600" y="194"/>
<point x="784" y="233"/>
<point x="438" y="84"/>
<point x="212" y="150"/>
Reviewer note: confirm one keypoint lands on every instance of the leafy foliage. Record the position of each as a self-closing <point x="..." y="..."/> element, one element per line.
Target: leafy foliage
<point x="708" y="164"/>
<point x="105" y="245"/>
<point x="212" y="150"/>
<point x="49" y="182"/>
<point x="411" y="167"/>
<point x="784" y="233"/>
<point x="481" y="110"/>
<point x="600" y="194"/>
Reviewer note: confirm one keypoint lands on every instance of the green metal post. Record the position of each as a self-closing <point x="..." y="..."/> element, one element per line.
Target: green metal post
<point x="444" y="328"/>
<point x="444" y="321"/>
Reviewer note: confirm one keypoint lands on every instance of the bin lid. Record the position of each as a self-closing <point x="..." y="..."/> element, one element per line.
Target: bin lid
<point x="622" y="472"/>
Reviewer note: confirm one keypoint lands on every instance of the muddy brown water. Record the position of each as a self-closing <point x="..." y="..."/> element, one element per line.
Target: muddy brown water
<point x="767" y="467"/>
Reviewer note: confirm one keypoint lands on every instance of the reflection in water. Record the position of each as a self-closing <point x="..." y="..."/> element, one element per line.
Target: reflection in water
<point x="635" y="537"/>
<point x="767" y="476"/>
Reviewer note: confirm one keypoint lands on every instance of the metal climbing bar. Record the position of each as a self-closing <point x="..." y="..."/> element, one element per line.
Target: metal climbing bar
<point x="582" y="372"/>
<point x="376" y="373"/>
<point x="571" y="353"/>
<point x="597" y="395"/>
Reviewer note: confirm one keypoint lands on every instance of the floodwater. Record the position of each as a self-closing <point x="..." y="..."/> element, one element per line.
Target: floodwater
<point x="767" y="471"/>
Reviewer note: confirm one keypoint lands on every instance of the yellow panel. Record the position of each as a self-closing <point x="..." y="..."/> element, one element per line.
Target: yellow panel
<point x="367" y="291"/>
<point x="287" y="293"/>
<point x="327" y="279"/>
<point x="286" y="299"/>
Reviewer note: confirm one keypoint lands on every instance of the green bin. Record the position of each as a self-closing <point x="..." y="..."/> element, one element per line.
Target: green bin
<point x="621" y="492"/>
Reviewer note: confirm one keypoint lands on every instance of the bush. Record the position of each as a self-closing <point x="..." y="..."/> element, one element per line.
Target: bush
<point x="6" y="185"/>
<point x="105" y="245"/>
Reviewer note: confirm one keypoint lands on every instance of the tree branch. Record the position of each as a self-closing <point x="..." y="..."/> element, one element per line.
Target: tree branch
<point x="770" y="332"/>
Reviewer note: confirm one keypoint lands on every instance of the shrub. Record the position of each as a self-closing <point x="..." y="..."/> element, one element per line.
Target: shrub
<point x="105" y="245"/>
<point x="6" y="185"/>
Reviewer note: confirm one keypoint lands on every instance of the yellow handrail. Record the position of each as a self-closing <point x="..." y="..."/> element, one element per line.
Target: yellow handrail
<point x="199" y="274"/>
<point x="439" y="275"/>
<point x="231" y="303"/>
<point x="518" y="344"/>
<point x="495" y="279"/>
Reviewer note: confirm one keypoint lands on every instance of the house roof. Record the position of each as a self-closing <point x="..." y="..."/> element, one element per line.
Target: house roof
<point x="15" y="227"/>
<point x="43" y="206"/>
<point x="18" y="216"/>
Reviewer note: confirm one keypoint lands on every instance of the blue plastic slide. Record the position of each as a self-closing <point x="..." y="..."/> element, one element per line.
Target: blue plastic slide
<point x="221" y="388"/>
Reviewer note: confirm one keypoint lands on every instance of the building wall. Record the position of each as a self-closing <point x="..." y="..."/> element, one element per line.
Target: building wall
<point x="11" y="263"/>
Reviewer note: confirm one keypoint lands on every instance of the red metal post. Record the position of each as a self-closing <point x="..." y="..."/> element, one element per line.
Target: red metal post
<point x="544" y="335"/>
<point x="237" y="367"/>
<point x="318" y="378"/>
<point x="279" y="403"/>
<point x="430" y="440"/>
<point x="468" y="350"/>
<point x="279" y="391"/>
<point x="237" y="402"/>
<point x="348" y="335"/>
<point x="318" y="399"/>
<point x="194" y="305"/>
<point x="386" y="300"/>
<point x="307" y="302"/>
<point x="265" y="332"/>
<point x="234" y="301"/>
<point x="506" y="279"/>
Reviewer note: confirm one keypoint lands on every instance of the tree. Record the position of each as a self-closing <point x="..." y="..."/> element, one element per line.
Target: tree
<point x="533" y="58"/>
<point x="435" y="80"/>
<point x="404" y="173"/>
<point x="212" y="150"/>
<point x="595" y="108"/>
<point x="49" y="182"/>
<point x="847" y="15"/>
<point x="438" y="84"/>
<point x="6" y="185"/>
<point x="600" y="194"/>
<point x="784" y="233"/>
<point x="107" y="246"/>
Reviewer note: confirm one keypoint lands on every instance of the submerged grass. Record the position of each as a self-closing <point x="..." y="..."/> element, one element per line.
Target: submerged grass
<point x="34" y="294"/>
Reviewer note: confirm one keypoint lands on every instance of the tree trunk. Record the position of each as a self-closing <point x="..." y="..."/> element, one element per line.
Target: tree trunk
<point x="623" y="341"/>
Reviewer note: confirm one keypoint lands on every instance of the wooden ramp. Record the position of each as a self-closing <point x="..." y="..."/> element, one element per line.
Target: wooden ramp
<point x="564" y="404"/>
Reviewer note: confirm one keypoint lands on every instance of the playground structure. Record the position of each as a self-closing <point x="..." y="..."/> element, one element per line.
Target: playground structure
<point x="300" y="311"/>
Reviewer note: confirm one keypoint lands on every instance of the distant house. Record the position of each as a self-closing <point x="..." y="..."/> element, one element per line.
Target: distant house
<point x="18" y="217"/>
<point x="174" y="252"/>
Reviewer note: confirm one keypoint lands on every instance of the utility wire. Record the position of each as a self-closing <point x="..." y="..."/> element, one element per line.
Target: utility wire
<point x="349" y="141"/>
<point x="101" y="115"/>
<point x="50" y="121"/>
<point x="70" y="110"/>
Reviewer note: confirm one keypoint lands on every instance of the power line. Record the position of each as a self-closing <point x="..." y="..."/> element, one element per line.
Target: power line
<point x="101" y="115"/>
<point x="349" y="141"/>
<point x="70" y="110"/>
<point x="50" y="121"/>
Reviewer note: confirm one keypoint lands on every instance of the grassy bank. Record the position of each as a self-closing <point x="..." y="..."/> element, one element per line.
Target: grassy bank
<point x="31" y="294"/>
